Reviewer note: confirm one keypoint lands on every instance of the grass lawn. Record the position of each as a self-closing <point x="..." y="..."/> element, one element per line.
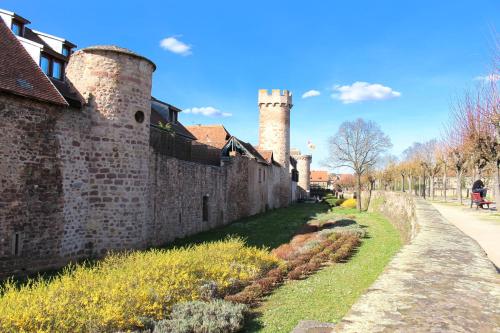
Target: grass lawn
<point x="326" y="295"/>
<point x="330" y="293"/>
<point x="269" y="229"/>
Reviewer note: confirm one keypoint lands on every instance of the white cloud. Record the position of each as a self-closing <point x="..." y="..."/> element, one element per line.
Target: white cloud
<point x="174" y="45"/>
<point x="208" y="111"/>
<point x="488" y="78"/>
<point x="363" y="91"/>
<point x="311" y="93"/>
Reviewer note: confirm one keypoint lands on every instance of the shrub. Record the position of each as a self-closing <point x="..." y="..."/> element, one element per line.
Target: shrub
<point x="276" y="273"/>
<point x="254" y="289"/>
<point x="296" y="273"/>
<point x="201" y="317"/>
<point x="268" y="283"/>
<point x="284" y="251"/>
<point x="123" y="288"/>
<point x="241" y="297"/>
<point x="312" y="266"/>
<point x="298" y="240"/>
<point x="349" y="203"/>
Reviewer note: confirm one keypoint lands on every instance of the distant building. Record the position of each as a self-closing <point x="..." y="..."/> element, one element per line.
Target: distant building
<point x="320" y="179"/>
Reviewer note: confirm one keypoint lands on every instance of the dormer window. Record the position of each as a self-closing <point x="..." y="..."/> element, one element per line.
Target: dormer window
<point x="45" y="64"/>
<point x="57" y="69"/>
<point x="66" y="51"/>
<point x="172" y="116"/>
<point x="51" y="67"/>
<point x="17" y="28"/>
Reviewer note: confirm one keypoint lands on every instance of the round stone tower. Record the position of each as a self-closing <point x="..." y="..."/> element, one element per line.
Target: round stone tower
<point x="274" y="124"/>
<point x="116" y="86"/>
<point x="304" y="169"/>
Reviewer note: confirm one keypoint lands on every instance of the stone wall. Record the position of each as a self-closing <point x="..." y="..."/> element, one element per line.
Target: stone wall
<point x="31" y="191"/>
<point x="177" y="190"/>
<point x="68" y="194"/>
<point x="76" y="183"/>
<point x="399" y="208"/>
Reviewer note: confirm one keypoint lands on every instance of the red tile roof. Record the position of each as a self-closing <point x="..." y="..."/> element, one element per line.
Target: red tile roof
<point x="266" y="154"/>
<point x="319" y="176"/>
<point x="20" y="75"/>
<point x="211" y="135"/>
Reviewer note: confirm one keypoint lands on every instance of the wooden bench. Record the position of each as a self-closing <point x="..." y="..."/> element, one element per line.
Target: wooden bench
<point x="479" y="201"/>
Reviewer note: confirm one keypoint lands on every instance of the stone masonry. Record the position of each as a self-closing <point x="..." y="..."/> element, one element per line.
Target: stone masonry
<point x="78" y="182"/>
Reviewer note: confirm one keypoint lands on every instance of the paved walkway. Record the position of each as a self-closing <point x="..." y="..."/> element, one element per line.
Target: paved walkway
<point x="482" y="226"/>
<point x="441" y="282"/>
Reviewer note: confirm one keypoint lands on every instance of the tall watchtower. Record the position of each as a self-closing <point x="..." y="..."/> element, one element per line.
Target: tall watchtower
<point x="274" y="124"/>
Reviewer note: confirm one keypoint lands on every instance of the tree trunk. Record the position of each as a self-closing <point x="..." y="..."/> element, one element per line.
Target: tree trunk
<point x="372" y="183"/>
<point x="419" y="193"/>
<point x="444" y="182"/>
<point x="459" y="186"/>
<point x="402" y="183"/>
<point x="424" y="185"/>
<point x="432" y="187"/>
<point x="497" y="187"/>
<point x="358" y="190"/>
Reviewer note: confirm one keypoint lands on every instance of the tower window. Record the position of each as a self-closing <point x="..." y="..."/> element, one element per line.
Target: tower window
<point x="17" y="28"/>
<point x="139" y="116"/>
<point x="205" y="208"/>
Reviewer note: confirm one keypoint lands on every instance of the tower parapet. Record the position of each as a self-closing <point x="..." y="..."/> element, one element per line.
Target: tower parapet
<point x="276" y="97"/>
<point x="274" y="123"/>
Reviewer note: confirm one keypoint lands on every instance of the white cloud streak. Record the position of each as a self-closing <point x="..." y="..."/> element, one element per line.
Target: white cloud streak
<point x="207" y="111"/>
<point x="363" y="91"/>
<point x="311" y="93"/>
<point x="174" y="45"/>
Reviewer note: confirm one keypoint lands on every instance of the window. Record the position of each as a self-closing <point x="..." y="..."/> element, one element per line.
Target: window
<point x="66" y="51"/>
<point x="45" y="64"/>
<point x="139" y="116"/>
<point x="205" y="208"/>
<point x="260" y="175"/>
<point x="17" y="28"/>
<point x="172" y="116"/>
<point x="57" y="69"/>
<point x="16" y="244"/>
<point x="51" y="67"/>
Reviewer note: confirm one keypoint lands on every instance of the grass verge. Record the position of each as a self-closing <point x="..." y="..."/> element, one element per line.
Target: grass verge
<point x="330" y="293"/>
<point x="269" y="229"/>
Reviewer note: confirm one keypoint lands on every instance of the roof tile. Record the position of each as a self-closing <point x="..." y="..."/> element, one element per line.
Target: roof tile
<point x="20" y="75"/>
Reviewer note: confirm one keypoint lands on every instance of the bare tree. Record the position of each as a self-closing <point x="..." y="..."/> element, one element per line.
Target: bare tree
<point x="357" y="145"/>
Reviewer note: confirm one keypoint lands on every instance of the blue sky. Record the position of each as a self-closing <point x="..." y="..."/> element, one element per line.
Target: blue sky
<point x="413" y="55"/>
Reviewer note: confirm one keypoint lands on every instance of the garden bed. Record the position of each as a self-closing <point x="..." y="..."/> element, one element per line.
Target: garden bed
<point x="209" y="284"/>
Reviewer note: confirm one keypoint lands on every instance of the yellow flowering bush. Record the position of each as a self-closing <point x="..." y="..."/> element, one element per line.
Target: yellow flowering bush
<point x="349" y="203"/>
<point x="123" y="288"/>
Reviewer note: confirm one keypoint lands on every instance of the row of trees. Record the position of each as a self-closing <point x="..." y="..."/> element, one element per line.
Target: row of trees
<point x="469" y="148"/>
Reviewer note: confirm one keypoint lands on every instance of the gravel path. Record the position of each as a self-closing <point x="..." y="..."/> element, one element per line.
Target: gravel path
<point x="483" y="227"/>
<point x="440" y="282"/>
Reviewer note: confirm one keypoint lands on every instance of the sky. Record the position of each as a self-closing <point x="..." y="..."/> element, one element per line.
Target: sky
<point x="398" y="63"/>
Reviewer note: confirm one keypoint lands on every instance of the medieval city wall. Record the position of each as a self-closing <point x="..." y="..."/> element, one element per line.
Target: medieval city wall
<point x="77" y="183"/>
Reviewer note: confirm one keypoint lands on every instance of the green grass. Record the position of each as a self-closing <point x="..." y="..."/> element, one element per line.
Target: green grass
<point x="326" y="295"/>
<point x="269" y="229"/>
<point x="330" y="293"/>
